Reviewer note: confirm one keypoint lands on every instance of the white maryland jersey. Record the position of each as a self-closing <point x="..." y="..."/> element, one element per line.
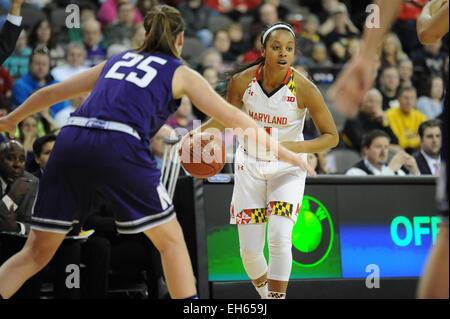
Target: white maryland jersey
<point x="277" y="112"/>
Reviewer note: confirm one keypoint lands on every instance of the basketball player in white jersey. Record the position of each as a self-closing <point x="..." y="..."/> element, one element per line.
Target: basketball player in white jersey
<point x="277" y="97"/>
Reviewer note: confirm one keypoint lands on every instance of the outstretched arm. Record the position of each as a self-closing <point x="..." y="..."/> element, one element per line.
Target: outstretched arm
<point x="79" y="84"/>
<point x="432" y="24"/>
<point x="359" y="75"/>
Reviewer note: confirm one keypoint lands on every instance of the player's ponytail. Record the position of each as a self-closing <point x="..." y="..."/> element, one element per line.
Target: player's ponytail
<point x="162" y="25"/>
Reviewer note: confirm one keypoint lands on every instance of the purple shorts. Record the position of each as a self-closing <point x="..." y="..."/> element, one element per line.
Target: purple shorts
<point x="86" y="162"/>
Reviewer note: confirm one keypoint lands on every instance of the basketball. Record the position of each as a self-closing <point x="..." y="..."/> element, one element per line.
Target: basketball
<point x="202" y="155"/>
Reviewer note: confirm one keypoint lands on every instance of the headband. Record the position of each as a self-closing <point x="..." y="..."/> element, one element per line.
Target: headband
<point x="274" y="27"/>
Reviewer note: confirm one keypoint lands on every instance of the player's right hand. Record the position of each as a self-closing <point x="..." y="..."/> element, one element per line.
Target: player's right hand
<point x="352" y="84"/>
<point x="297" y="160"/>
<point x="7" y="126"/>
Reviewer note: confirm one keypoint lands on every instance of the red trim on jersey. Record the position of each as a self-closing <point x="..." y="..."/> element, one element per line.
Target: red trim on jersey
<point x="288" y="75"/>
<point x="257" y="71"/>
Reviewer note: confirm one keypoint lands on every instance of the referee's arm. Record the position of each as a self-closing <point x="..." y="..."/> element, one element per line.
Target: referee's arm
<point x="11" y="30"/>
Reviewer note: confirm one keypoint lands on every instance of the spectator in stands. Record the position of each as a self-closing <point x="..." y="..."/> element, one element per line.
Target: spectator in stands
<point x="121" y="30"/>
<point x="19" y="189"/>
<point x="405" y="120"/>
<point x="238" y="46"/>
<point x="17" y="63"/>
<point x="145" y="5"/>
<point x="157" y="143"/>
<point x="183" y="117"/>
<point x="76" y="54"/>
<point x="6" y="83"/>
<point x="428" y="60"/>
<point x="405" y="26"/>
<point x="375" y="148"/>
<point x="391" y="51"/>
<point x="109" y="11"/>
<point x="42" y="148"/>
<point x="91" y="33"/>
<point x="431" y="104"/>
<point x="389" y="85"/>
<point x="370" y="117"/>
<point x="37" y="77"/>
<point x="196" y="17"/>
<point x="41" y="37"/>
<point x="28" y="133"/>
<point x="319" y="57"/>
<point x="283" y="9"/>
<point x="94" y="252"/>
<point x="212" y="58"/>
<point x="267" y="15"/>
<point x="328" y="7"/>
<point x="221" y="42"/>
<point x="429" y="157"/>
<point x="309" y="35"/>
<point x="405" y="71"/>
<point x="337" y="32"/>
<point x="138" y="37"/>
<point x="352" y="48"/>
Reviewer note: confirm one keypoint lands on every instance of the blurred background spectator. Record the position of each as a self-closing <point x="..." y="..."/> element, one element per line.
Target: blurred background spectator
<point x="17" y="63"/>
<point x="109" y="11"/>
<point x="431" y="104"/>
<point x="75" y="57"/>
<point x="196" y="17"/>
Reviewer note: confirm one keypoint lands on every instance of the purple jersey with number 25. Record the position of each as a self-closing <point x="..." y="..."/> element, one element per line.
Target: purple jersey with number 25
<point x="139" y="92"/>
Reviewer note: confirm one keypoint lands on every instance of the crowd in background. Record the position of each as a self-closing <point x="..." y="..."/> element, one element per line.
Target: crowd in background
<point x="221" y="35"/>
<point x="396" y="131"/>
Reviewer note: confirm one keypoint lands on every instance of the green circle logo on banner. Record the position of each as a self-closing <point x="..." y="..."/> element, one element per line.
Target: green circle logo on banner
<point x="313" y="234"/>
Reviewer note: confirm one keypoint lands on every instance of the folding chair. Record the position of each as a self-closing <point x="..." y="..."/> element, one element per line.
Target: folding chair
<point x="170" y="167"/>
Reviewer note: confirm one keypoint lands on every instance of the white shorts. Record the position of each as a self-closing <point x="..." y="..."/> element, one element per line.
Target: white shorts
<point x="264" y="188"/>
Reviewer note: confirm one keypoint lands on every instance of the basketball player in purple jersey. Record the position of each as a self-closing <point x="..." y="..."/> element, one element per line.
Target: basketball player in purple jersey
<point x="358" y="77"/>
<point x="105" y="148"/>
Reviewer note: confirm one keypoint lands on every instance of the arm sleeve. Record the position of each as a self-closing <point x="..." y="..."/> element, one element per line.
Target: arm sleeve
<point x="8" y="38"/>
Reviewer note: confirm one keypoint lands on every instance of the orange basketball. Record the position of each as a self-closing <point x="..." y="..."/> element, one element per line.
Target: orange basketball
<point x="202" y="155"/>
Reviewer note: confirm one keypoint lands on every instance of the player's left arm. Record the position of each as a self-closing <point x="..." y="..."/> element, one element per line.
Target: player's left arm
<point x="432" y="23"/>
<point x="41" y="99"/>
<point x="310" y="97"/>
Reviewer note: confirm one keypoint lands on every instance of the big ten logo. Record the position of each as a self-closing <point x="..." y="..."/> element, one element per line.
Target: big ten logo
<point x="373" y="279"/>
<point x="373" y="19"/>
<point x="73" y="277"/>
<point x="403" y="230"/>
<point x="288" y="98"/>
<point x="73" y="17"/>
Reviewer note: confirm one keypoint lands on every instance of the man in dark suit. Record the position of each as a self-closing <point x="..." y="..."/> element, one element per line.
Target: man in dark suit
<point x="18" y="190"/>
<point x="428" y="158"/>
<point x="11" y="30"/>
